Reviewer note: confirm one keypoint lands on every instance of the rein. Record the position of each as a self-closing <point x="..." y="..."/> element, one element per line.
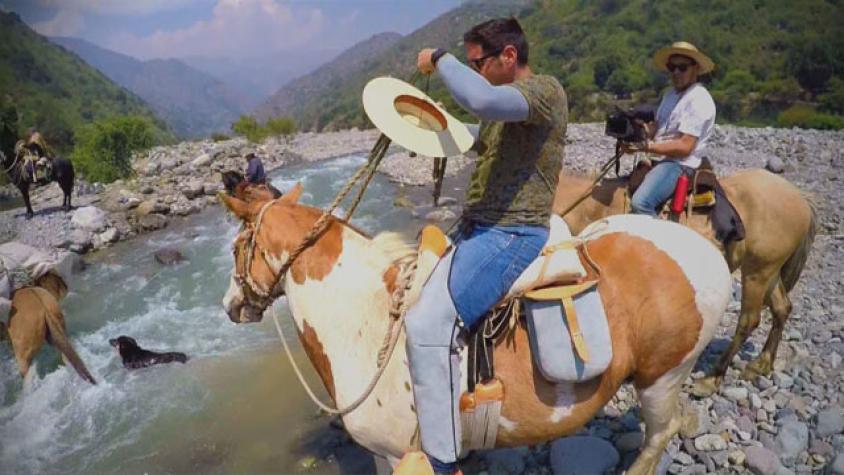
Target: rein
<point x="12" y="166"/>
<point x="266" y="297"/>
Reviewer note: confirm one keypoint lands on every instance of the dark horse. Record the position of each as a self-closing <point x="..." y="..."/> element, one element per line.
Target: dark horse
<point x="14" y="169"/>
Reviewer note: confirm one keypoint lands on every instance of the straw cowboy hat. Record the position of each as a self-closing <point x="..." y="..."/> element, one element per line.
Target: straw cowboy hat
<point x="413" y="120"/>
<point x="684" y="49"/>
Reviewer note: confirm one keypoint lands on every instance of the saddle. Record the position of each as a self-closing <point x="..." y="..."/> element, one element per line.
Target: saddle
<point x="705" y="196"/>
<point x="554" y="282"/>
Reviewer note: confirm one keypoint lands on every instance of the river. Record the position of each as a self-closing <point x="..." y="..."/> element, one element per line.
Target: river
<point x="235" y="407"/>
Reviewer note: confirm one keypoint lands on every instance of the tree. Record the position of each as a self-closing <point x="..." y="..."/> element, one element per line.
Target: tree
<point x="104" y="149"/>
<point x="833" y="99"/>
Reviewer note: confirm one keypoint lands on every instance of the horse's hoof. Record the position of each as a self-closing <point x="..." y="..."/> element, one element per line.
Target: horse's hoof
<point x="758" y="367"/>
<point x="705" y="387"/>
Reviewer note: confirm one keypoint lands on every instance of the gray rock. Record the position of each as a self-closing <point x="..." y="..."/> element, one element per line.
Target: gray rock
<point x="837" y="465"/>
<point x="506" y="461"/>
<point x="151" y="222"/>
<point x="582" y="455"/>
<point x="202" y="160"/>
<point x="735" y="394"/>
<point x="89" y="218"/>
<point x="629" y="441"/>
<point x="793" y="438"/>
<point x="782" y="380"/>
<point x="193" y="189"/>
<point x="152" y="207"/>
<point x="761" y="461"/>
<point x="710" y="442"/>
<point x="110" y="235"/>
<point x="775" y="164"/>
<point x="440" y="215"/>
<point x="169" y="257"/>
<point x="80" y="241"/>
<point x="830" y="421"/>
<point x="821" y="447"/>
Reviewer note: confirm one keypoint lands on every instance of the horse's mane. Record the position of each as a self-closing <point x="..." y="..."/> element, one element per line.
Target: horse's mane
<point x="393" y="245"/>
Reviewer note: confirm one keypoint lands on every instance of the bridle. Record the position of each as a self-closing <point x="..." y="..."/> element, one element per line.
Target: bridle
<point x="243" y="277"/>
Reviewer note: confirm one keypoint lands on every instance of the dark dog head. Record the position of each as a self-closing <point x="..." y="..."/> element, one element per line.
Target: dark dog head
<point x="124" y="343"/>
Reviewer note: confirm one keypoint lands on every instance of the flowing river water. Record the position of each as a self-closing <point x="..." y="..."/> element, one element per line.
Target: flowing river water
<point x="235" y="407"/>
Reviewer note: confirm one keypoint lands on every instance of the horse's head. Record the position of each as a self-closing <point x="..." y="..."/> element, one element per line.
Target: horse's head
<point x="237" y="186"/>
<point x="259" y="253"/>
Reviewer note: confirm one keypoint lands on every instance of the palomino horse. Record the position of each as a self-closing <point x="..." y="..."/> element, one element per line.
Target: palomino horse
<point x="780" y="228"/>
<point x="35" y="318"/>
<point x="664" y="293"/>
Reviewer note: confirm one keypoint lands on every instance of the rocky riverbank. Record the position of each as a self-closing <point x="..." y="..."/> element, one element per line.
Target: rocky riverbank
<point x="791" y="422"/>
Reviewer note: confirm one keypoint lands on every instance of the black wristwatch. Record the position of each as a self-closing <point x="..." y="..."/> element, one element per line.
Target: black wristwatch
<point x="436" y="55"/>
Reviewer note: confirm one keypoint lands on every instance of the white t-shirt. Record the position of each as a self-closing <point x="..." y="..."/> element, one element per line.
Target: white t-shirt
<point x="691" y="112"/>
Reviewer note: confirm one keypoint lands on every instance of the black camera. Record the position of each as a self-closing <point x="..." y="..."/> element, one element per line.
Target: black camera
<point x="622" y="125"/>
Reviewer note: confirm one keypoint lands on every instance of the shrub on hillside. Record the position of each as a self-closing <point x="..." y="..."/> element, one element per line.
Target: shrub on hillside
<point x="833" y="99"/>
<point x="218" y="137"/>
<point x="104" y="149"/>
<point x="806" y="117"/>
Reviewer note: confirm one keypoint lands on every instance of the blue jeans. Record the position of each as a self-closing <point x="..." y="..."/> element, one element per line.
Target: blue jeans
<point x="487" y="262"/>
<point x="657" y="187"/>
<point x="465" y="284"/>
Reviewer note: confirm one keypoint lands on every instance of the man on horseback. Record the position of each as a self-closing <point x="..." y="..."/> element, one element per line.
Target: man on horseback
<point x="684" y="122"/>
<point x="505" y="220"/>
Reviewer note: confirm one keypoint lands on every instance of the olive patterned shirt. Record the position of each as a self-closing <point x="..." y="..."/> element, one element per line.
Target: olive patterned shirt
<point x="516" y="175"/>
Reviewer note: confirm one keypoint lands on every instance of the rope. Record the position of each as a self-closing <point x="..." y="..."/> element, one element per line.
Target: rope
<point x="384" y="353"/>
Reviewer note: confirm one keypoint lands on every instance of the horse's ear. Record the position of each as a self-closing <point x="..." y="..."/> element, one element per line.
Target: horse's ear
<point x="292" y="196"/>
<point x="239" y="208"/>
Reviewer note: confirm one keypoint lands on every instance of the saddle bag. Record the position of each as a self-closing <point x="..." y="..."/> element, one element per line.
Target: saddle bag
<point x="568" y="332"/>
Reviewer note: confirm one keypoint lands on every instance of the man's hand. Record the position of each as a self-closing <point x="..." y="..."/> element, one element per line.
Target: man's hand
<point x="424" y="63"/>
<point x="634" y="147"/>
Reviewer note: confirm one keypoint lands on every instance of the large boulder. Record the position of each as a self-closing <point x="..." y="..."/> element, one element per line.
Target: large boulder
<point x="582" y="455"/>
<point x="89" y="218"/>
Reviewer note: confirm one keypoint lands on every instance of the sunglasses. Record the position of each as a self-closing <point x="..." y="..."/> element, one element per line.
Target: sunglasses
<point x="678" y="67"/>
<point x="478" y="63"/>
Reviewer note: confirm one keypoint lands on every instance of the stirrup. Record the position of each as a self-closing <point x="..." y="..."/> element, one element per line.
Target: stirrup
<point x="416" y="463"/>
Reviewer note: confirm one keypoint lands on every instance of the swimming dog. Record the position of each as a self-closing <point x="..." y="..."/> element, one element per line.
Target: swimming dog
<point x="135" y="357"/>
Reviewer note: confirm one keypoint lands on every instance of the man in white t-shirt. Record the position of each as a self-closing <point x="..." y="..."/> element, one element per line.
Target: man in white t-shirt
<point x="684" y="122"/>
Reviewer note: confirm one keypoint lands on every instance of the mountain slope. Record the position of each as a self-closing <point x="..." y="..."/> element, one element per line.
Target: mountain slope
<point x="54" y="90"/>
<point x="292" y="99"/>
<point x="771" y="56"/>
<point x="193" y="103"/>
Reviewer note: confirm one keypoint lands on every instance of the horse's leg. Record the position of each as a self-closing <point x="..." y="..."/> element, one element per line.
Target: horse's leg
<point x="25" y="192"/>
<point x="754" y="286"/>
<point x="780" y="306"/>
<point x="661" y="411"/>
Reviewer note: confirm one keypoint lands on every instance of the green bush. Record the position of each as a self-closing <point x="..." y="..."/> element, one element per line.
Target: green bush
<point x="104" y="149"/>
<point x="281" y="126"/>
<point x="249" y="127"/>
<point x="833" y="99"/>
<point x="218" y="137"/>
<point x="806" y="117"/>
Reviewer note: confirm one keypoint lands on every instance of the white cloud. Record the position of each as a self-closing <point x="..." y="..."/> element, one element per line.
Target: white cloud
<point x="67" y="22"/>
<point x="236" y="28"/>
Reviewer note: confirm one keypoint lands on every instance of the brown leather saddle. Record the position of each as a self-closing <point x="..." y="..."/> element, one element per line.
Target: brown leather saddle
<point x="705" y="196"/>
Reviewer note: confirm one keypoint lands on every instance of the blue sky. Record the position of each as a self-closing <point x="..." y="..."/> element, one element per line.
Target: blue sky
<point x="224" y="28"/>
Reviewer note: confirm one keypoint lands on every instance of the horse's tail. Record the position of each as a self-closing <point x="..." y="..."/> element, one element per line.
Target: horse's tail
<point x="58" y="337"/>
<point x="792" y="268"/>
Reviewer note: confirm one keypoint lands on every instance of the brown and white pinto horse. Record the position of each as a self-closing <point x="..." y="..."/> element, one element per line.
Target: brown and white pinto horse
<point x="780" y="228"/>
<point x="664" y="288"/>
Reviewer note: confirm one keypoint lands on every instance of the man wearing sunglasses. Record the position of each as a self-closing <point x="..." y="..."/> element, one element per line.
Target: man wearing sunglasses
<point x="505" y="219"/>
<point x="684" y="122"/>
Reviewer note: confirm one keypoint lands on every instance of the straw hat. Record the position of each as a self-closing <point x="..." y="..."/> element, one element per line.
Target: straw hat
<point x="684" y="49"/>
<point x="413" y="120"/>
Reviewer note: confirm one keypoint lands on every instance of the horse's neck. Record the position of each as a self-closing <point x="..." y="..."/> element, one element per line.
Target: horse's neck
<point x="347" y="309"/>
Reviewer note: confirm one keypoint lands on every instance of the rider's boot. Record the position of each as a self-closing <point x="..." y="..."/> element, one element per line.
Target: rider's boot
<point x="432" y="330"/>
